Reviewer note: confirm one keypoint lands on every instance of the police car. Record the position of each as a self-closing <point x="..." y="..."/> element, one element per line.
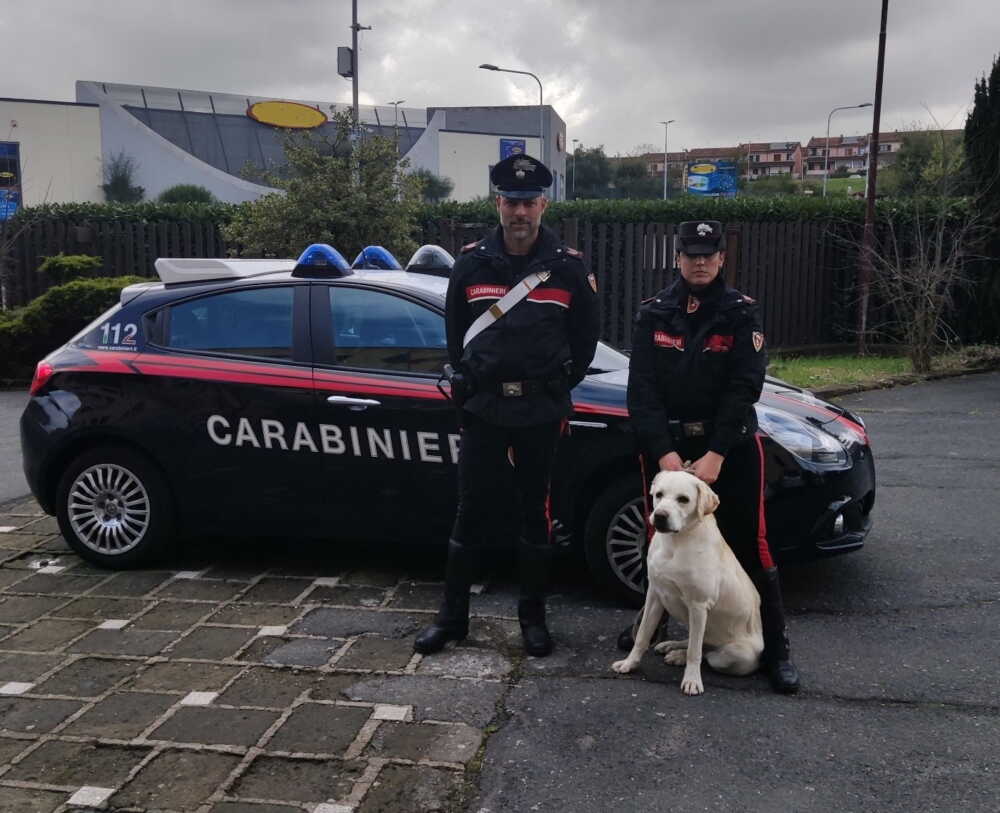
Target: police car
<point x="304" y="398"/>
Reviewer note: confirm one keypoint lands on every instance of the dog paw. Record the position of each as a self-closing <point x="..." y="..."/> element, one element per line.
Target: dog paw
<point x="675" y="657"/>
<point x="692" y="686"/>
<point x="666" y="646"/>
<point x="624" y="666"/>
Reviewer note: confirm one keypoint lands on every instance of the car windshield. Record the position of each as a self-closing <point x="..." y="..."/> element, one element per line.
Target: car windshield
<point x="607" y="360"/>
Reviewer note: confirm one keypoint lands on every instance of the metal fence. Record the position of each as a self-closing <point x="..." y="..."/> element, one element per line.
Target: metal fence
<point x="801" y="272"/>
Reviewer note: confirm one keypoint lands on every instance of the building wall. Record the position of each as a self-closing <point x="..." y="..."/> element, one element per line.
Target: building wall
<point x="60" y="146"/>
<point x="466" y="158"/>
<point x="159" y="163"/>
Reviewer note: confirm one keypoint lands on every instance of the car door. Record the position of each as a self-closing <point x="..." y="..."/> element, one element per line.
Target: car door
<point x="231" y="403"/>
<point x="392" y="437"/>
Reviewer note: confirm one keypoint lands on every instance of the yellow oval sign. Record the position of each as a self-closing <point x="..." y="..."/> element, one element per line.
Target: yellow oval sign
<point x="703" y="169"/>
<point x="287" y="114"/>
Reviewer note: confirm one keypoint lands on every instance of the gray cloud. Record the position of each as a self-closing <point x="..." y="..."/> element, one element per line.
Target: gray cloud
<point x="726" y="71"/>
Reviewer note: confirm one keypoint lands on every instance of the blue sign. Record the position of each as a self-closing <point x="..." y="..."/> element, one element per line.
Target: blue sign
<point x="712" y="179"/>
<point x="10" y="200"/>
<point x="512" y="146"/>
<point x="10" y="178"/>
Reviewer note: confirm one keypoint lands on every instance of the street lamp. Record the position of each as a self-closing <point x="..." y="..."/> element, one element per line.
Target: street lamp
<point x="665" y="124"/>
<point x="826" y="163"/>
<point x="541" y="110"/>
<point x="395" y="123"/>
<point x="573" y="187"/>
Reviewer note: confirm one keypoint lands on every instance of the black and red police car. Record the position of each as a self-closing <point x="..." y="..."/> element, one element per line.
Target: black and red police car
<point x="303" y="398"/>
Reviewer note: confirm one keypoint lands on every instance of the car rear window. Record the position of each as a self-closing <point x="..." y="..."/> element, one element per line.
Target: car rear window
<point x="255" y="322"/>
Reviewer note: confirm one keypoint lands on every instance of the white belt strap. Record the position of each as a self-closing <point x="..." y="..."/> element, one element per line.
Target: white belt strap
<point x="504" y="304"/>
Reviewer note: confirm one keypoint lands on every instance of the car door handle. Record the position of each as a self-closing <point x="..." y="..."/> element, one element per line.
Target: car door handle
<point x="355" y="404"/>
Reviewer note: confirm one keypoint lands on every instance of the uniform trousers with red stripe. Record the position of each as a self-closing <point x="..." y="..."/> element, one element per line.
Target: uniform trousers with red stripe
<point x="740" y="488"/>
<point x="504" y="474"/>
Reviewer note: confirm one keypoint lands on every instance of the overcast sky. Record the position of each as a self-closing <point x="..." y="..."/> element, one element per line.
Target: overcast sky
<point x="725" y="70"/>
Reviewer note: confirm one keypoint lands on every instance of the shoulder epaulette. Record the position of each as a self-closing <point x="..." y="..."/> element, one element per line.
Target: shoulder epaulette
<point x="468" y="247"/>
<point x="748" y="300"/>
<point x="647" y="301"/>
<point x="574" y="253"/>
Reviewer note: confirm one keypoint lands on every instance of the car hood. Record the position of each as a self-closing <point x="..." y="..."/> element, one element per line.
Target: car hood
<point x="607" y="389"/>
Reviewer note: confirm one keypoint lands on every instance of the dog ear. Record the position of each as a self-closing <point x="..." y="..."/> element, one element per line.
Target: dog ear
<point x="708" y="501"/>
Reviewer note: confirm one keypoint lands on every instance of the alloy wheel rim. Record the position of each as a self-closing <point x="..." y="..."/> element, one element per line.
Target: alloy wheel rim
<point x="625" y="543"/>
<point x="108" y="509"/>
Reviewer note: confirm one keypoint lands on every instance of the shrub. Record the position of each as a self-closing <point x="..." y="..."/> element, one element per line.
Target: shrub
<point x="119" y="173"/>
<point x="64" y="267"/>
<point x="30" y="333"/>
<point x="186" y="193"/>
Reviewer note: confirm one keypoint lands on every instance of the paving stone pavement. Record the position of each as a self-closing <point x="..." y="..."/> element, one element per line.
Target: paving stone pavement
<point x="245" y="679"/>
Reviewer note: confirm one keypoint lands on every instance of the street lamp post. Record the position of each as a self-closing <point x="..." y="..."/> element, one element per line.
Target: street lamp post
<point x="573" y="187"/>
<point x="541" y="109"/>
<point x="665" y="124"/>
<point x="826" y="162"/>
<point x="395" y="123"/>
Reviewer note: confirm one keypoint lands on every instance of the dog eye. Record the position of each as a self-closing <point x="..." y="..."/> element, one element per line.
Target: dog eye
<point x="683" y="500"/>
<point x="658" y="495"/>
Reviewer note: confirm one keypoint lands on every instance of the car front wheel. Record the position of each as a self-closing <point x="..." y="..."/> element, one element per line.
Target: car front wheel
<point x="114" y="508"/>
<point x="615" y="540"/>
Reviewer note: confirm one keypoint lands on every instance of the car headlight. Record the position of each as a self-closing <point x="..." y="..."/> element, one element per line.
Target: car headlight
<point x="805" y="441"/>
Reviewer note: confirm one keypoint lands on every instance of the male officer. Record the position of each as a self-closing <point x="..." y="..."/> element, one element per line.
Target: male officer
<point x="697" y="369"/>
<point x="522" y="320"/>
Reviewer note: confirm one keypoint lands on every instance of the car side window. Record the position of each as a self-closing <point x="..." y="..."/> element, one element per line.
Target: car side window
<point x="380" y="331"/>
<point x="252" y="322"/>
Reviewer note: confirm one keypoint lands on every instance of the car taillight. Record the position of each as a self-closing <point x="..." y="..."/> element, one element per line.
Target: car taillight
<point x="43" y="372"/>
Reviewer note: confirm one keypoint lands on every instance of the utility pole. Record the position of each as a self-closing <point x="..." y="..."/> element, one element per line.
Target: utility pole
<point x="355" y="28"/>
<point x="865" y="270"/>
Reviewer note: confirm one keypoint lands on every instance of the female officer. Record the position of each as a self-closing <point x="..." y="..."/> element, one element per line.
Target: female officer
<point x="697" y="369"/>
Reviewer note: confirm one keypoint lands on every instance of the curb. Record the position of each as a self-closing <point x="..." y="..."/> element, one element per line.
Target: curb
<point x="900" y="381"/>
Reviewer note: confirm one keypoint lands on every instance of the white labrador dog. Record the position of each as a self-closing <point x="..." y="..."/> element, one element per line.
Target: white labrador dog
<point x="695" y="576"/>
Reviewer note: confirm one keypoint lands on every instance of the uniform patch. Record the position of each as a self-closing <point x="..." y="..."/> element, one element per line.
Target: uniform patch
<point x="551" y="296"/>
<point x="717" y="343"/>
<point x="474" y="293"/>
<point x="758" y="340"/>
<point x="468" y="247"/>
<point x="593" y="282"/>
<point x="663" y="339"/>
<point x="693" y="304"/>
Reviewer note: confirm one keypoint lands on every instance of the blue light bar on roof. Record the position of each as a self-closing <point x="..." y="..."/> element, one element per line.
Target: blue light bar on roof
<point x="321" y="260"/>
<point x="376" y="257"/>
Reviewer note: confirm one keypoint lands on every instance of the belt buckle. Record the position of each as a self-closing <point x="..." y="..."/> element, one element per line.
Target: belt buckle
<point x="512" y="389"/>
<point x="694" y="429"/>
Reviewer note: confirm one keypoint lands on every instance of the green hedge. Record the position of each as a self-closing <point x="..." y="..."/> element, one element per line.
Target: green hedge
<point x="30" y="333"/>
<point x="147" y="212"/>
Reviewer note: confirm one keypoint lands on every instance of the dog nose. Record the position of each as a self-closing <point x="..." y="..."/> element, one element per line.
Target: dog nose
<point x="660" y="523"/>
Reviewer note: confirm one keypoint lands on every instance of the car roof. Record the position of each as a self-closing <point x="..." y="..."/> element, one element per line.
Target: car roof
<point x="429" y="286"/>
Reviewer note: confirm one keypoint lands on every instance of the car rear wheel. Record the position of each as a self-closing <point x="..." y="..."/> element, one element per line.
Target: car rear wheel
<point x="114" y="508"/>
<point x="615" y="540"/>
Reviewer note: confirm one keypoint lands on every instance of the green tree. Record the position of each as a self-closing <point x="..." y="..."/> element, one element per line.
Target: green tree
<point x="590" y="172"/>
<point x="632" y="180"/>
<point x="435" y="188"/>
<point x="186" y="193"/>
<point x="930" y="162"/>
<point x="982" y="137"/>
<point x="119" y="173"/>
<point x="347" y="190"/>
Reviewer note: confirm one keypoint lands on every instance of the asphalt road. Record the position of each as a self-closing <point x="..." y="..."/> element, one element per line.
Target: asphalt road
<point x="897" y="645"/>
<point x="12" y="482"/>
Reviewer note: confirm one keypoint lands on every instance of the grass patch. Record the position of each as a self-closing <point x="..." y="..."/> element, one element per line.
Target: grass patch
<point x="825" y="372"/>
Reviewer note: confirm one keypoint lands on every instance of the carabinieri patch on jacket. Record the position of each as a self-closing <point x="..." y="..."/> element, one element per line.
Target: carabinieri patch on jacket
<point x="541" y="296"/>
<point x="663" y="339"/>
<point x="758" y="340"/>
<point x="693" y="304"/>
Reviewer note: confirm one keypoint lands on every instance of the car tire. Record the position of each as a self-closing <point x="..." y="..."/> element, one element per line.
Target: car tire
<point x="615" y="539"/>
<point x="114" y="508"/>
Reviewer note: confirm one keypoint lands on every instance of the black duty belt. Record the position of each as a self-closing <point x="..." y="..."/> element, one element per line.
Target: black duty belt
<point x="530" y="386"/>
<point x="690" y="429"/>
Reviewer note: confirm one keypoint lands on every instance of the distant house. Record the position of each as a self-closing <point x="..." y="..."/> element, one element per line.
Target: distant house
<point x="847" y="152"/>
<point x="772" y="158"/>
<point x="679" y="160"/>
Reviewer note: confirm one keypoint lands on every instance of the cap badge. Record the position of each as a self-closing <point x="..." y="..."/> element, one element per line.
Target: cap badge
<point x="521" y="166"/>
<point x="703" y="229"/>
<point x="519" y="173"/>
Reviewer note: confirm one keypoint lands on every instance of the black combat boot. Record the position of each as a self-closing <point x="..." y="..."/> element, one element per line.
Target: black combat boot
<point x="534" y="563"/>
<point x="452" y="622"/>
<point x="777" y="660"/>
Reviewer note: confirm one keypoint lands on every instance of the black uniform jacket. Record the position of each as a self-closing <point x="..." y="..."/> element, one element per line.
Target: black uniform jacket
<point x="547" y="339"/>
<point x="696" y="358"/>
